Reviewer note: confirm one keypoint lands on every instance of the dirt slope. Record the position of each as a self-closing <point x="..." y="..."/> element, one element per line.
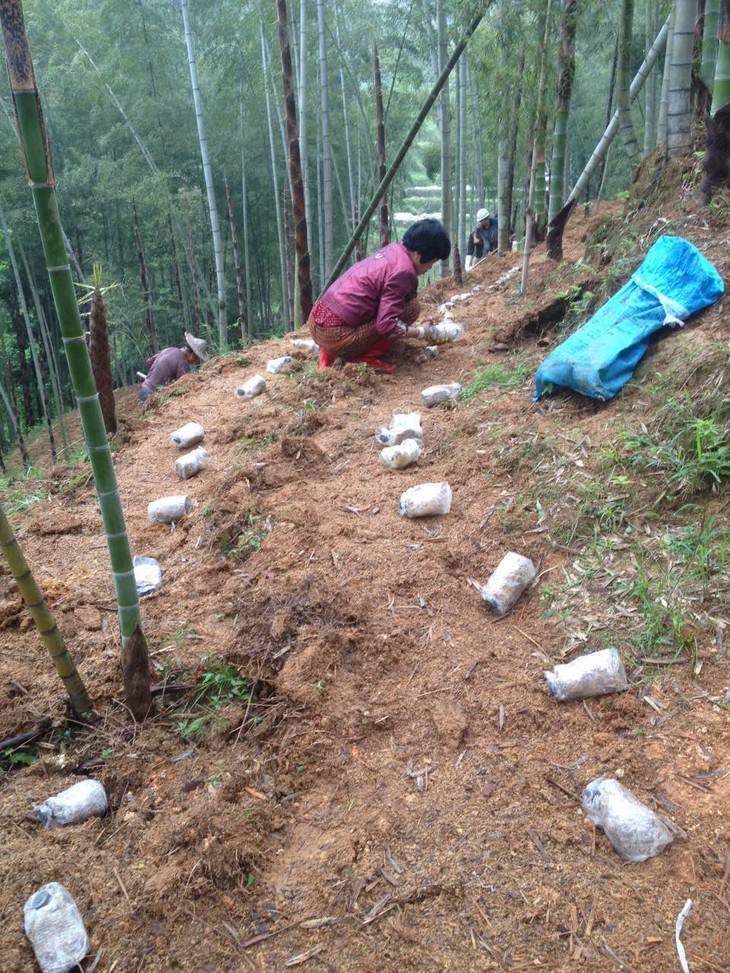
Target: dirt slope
<point x="304" y="835"/>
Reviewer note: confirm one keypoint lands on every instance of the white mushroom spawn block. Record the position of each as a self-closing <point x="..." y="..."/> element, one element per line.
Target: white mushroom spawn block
<point x="251" y="387"/>
<point x="53" y="924"/>
<point x="190" y="434"/>
<point x="633" y="829"/>
<point x="595" y="674"/>
<point x="167" y="510"/>
<point x="147" y="575"/>
<point x="85" y="799"/>
<point x="403" y="425"/>
<point x="191" y="463"/>
<point x="277" y="365"/>
<point x="512" y="575"/>
<point x="403" y="455"/>
<point x="435" y="394"/>
<point x="306" y="344"/>
<point x="446" y="331"/>
<point x="426" y="500"/>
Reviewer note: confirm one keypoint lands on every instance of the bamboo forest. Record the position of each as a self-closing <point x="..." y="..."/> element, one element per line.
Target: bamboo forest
<point x="364" y="462"/>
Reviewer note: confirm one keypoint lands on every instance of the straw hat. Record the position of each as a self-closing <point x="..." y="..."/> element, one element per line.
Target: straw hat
<point x="197" y="345"/>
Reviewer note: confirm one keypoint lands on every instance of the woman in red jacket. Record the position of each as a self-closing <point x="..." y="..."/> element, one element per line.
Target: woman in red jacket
<point x="373" y="303"/>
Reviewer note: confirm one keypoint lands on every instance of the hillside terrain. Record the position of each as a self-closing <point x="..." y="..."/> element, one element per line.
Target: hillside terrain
<point x="393" y="788"/>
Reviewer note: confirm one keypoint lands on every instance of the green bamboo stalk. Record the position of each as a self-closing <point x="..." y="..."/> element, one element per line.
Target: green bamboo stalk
<point x="626" y="125"/>
<point x="566" y="73"/>
<point x="710" y="42"/>
<point x="406" y="144"/>
<point x="39" y="168"/>
<point x="721" y="89"/>
<point x="44" y="620"/>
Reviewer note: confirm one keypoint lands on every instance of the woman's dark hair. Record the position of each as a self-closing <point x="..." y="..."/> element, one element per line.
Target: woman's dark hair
<point x="428" y="237"/>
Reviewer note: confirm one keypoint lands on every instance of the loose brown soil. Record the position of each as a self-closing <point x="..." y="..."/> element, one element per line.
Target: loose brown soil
<point x="303" y="835"/>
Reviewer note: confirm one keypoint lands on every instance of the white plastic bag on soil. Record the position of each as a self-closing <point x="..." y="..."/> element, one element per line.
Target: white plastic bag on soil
<point x="595" y="674"/>
<point x="277" y="365"/>
<point x="426" y="500"/>
<point x="251" y="387"/>
<point x="305" y="344"/>
<point x="403" y="425"/>
<point x="53" y="924"/>
<point x="435" y="394"/>
<point x="510" y="578"/>
<point x="403" y="455"/>
<point x="86" y="799"/>
<point x="167" y="510"/>
<point x="190" y="434"/>
<point x="147" y="575"/>
<point x="633" y="829"/>
<point x="191" y="463"/>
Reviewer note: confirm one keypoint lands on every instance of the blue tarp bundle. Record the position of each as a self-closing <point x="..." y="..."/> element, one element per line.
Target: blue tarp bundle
<point x="672" y="283"/>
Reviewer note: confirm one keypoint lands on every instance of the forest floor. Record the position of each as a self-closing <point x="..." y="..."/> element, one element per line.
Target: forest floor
<point x="288" y="829"/>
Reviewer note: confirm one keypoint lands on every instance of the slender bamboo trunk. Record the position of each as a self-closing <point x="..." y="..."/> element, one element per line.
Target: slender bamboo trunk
<point x="626" y="125"/>
<point x="408" y="140"/>
<point x="327" y="198"/>
<point x="31" y="338"/>
<point x="505" y="232"/>
<point x="25" y="385"/>
<point x="566" y="72"/>
<point x="100" y="357"/>
<point x="286" y="236"/>
<point x="184" y="310"/>
<point x="540" y="121"/>
<point x="346" y="121"/>
<point x="461" y="155"/>
<point x="39" y="169"/>
<point x="555" y="231"/>
<point x="44" y="621"/>
<point x="721" y="87"/>
<point x="144" y="279"/>
<point x="650" y="99"/>
<point x="208" y="176"/>
<point x="445" y="117"/>
<point x="15" y="427"/>
<point x="275" y="181"/>
<point x="661" y="134"/>
<point x="302" y="118"/>
<point x="244" y="216"/>
<point x="679" y="115"/>
<point x="710" y="40"/>
<point x="47" y="350"/>
<point x="236" y="263"/>
<point x="384" y="222"/>
<point x="478" y="161"/>
<point x="304" y="278"/>
<point x="503" y="213"/>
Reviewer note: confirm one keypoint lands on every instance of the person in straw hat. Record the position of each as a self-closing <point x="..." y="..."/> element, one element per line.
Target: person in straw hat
<point x="172" y="363"/>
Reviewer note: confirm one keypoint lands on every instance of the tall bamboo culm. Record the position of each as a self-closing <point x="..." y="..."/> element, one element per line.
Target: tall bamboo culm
<point x="39" y="169"/>
<point x="679" y="115"/>
<point x="44" y="620"/>
<point x="566" y="72"/>
<point x="721" y="88"/>
<point x="709" y="43"/>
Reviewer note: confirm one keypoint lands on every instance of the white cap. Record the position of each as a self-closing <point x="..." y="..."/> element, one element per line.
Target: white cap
<point x="482" y="214"/>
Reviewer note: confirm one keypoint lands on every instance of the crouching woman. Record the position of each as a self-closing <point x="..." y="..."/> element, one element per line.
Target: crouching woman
<point x="372" y="304"/>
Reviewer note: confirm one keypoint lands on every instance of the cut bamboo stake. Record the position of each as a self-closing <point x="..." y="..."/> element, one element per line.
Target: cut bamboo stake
<point x="44" y="620"/>
<point x="407" y="141"/>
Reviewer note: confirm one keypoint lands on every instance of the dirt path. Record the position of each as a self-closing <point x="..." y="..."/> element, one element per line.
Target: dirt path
<point x="374" y="658"/>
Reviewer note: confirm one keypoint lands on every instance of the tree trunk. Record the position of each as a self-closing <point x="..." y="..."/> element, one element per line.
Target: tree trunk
<point x="236" y="263"/>
<point x="461" y="230"/>
<point x="346" y="121"/>
<point x="445" y="116"/>
<point x="478" y="161"/>
<point x="295" y="169"/>
<point x="15" y="426"/>
<point x="650" y="100"/>
<point x="679" y="115"/>
<point x="566" y="72"/>
<point x="302" y="119"/>
<point x="661" y="131"/>
<point x="626" y="125"/>
<point x="710" y="40"/>
<point x="149" y="312"/>
<point x="244" y="216"/>
<point x="512" y="156"/>
<point x="557" y="226"/>
<point x="503" y="213"/>
<point x="721" y="87"/>
<point x="384" y="222"/>
<point x="327" y="196"/>
<point x="208" y="175"/>
<point x="100" y="359"/>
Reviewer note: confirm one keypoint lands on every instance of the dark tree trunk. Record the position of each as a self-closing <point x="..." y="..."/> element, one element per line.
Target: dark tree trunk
<point x="150" y="323"/>
<point x="458" y="278"/>
<point x="717" y="157"/>
<point x="101" y="361"/>
<point x="236" y="264"/>
<point x="384" y="221"/>
<point x="295" y="167"/>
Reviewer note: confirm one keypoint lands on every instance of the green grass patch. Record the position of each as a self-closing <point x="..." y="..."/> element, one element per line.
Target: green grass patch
<point x="220" y="684"/>
<point x="493" y="376"/>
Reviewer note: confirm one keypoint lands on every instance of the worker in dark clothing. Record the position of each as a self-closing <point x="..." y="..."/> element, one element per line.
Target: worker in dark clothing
<point x="172" y="363"/>
<point x="483" y="239"/>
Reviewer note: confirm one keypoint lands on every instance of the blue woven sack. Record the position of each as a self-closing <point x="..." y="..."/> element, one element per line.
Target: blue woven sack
<point x="674" y="282"/>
